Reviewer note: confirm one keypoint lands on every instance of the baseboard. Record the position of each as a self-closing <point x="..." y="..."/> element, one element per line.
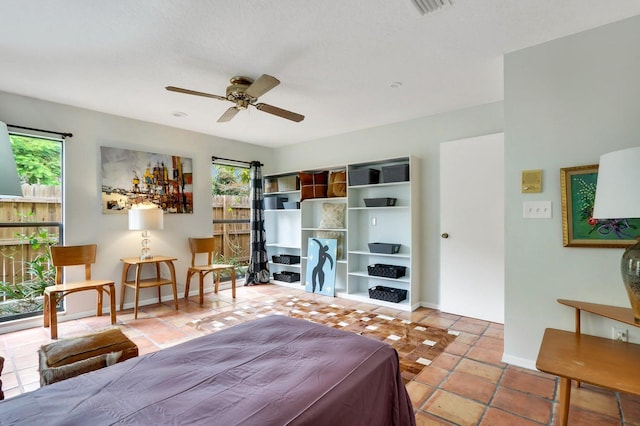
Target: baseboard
<point x="519" y="362"/>
<point x="430" y="305"/>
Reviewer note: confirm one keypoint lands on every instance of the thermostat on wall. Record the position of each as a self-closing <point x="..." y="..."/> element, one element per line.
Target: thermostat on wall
<point x="532" y="181"/>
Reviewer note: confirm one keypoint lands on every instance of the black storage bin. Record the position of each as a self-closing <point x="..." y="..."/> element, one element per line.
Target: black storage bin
<point x="398" y="173"/>
<point x="386" y="271"/>
<point x="274" y="203"/>
<point x="286" y="259"/>
<point x="384" y="248"/>
<point x="364" y="176"/>
<point x="286" y="276"/>
<point x="388" y="294"/>
<point x="379" y="202"/>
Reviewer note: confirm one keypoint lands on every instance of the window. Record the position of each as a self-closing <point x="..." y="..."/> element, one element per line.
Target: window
<point x="231" y="212"/>
<point x="29" y="225"/>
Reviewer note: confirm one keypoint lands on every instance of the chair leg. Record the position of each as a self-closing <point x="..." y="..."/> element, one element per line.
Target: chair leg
<point x="99" y="302"/>
<point x="186" y="285"/>
<point x="201" y="289"/>
<point x="46" y="311"/>
<point x="232" y="272"/>
<point x="217" y="282"/>
<point x="112" y="302"/>
<point x="53" y="314"/>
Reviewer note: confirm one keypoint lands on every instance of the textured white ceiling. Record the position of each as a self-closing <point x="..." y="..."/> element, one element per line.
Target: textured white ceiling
<point x="336" y="60"/>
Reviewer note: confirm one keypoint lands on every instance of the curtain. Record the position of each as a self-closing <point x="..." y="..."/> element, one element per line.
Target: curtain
<point x="258" y="271"/>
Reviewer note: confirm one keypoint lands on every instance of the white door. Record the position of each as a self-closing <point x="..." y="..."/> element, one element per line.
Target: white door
<point x="472" y="227"/>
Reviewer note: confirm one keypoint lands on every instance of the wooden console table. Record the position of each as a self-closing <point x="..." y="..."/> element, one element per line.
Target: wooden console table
<point x="616" y="313"/>
<point x="595" y="360"/>
<point x="137" y="283"/>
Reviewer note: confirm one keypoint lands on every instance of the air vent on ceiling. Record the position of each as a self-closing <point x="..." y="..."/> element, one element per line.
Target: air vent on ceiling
<point x="428" y="6"/>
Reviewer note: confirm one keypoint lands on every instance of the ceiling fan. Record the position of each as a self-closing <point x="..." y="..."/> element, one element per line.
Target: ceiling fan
<point x="244" y="91"/>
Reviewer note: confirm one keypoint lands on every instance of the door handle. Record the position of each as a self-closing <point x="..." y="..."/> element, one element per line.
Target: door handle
<point x="445" y="235"/>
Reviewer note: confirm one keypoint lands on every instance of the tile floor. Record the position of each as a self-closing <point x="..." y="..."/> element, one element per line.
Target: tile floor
<point x="466" y="385"/>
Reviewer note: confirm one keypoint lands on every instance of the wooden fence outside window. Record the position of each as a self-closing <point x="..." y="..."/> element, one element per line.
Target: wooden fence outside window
<point x="41" y="205"/>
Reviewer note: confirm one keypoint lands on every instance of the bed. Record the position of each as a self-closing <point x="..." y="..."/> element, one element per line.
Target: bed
<point x="272" y="371"/>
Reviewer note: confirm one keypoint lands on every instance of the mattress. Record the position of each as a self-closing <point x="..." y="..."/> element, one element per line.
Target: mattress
<point x="272" y="371"/>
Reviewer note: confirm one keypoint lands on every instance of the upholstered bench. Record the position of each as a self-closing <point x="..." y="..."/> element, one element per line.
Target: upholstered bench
<point x="71" y="357"/>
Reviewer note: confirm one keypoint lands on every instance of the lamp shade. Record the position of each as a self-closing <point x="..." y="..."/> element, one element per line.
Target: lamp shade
<point x="618" y="190"/>
<point x="9" y="179"/>
<point x="142" y="219"/>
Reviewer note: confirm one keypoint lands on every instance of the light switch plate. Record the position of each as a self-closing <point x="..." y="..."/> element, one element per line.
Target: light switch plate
<point x="536" y="210"/>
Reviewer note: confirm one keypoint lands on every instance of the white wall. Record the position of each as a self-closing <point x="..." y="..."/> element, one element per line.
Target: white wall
<point x="420" y="137"/>
<point x="84" y="221"/>
<point x="566" y="103"/>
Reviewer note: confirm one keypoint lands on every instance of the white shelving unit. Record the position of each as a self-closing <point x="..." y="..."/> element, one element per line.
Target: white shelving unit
<point x="288" y="232"/>
<point x="283" y="235"/>
<point x="389" y="224"/>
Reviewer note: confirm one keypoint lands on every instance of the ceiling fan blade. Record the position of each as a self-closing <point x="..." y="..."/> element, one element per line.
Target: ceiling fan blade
<point x="193" y="92"/>
<point x="280" y="112"/>
<point x="262" y="85"/>
<point x="228" y="115"/>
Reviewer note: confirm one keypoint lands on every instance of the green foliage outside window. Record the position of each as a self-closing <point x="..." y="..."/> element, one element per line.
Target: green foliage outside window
<point x="229" y="180"/>
<point x="37" y="160"/>
<point x="26" y="296"/>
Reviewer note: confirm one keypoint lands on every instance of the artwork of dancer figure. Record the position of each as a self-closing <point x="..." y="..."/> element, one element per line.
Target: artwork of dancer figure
<point x="318" y="273"/>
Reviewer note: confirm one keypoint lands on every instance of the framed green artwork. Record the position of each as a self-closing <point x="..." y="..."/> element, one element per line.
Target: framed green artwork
<point x="579" y="228"/>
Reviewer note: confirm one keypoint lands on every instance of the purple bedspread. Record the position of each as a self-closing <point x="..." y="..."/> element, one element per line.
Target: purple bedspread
<point x="273" y="371"/>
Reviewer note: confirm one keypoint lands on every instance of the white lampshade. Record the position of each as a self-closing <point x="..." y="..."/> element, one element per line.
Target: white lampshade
<point x="9" y="179"/>
<point x="142" y="219"/>
<point x="617" y="197"/>
<point x="618" y="187"/>
<point x="145" y="218"/>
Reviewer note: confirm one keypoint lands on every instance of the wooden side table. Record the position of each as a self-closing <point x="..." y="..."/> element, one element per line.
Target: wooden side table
<point x="137" y="283"/>
<point x="596" y="360"/>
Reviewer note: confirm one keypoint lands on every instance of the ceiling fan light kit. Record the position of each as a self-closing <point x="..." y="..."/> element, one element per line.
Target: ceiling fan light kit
<point x="428" y="6"/>
<point x="243" y="92"/>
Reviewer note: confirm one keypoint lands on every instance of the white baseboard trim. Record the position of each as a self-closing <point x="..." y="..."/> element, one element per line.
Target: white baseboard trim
<point x="430" y="305"/>
<point x="519" y="362"/>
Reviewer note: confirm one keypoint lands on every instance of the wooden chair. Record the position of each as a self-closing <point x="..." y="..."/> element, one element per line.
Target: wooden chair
<point x="75" y="256"/>
<point x="202" y="246"/>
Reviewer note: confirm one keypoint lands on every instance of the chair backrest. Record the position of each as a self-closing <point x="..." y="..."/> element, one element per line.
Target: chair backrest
<point x="202" y="245"/>
<point x="62" y="256"/>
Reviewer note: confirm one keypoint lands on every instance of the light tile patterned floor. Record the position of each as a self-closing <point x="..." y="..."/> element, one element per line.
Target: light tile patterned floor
<point x="465" y="385"/>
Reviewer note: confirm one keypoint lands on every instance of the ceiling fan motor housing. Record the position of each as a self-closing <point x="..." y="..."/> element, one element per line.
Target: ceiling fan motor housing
<point x="236" y="92"/>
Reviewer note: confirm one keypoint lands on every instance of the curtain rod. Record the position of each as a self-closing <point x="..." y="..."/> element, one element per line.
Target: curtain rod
<point x="214" y="158"/>
<point x="64" y="135"/>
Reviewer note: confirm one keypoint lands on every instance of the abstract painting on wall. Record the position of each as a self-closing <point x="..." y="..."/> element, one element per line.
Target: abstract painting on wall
<point x="321" y="266"/>
<point x="133" y="177"/>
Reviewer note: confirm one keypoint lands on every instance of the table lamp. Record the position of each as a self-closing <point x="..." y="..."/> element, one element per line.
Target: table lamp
<point x="618" y="198"/>
<point x="145" y="217"/>
<point x="9" y="180"/>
